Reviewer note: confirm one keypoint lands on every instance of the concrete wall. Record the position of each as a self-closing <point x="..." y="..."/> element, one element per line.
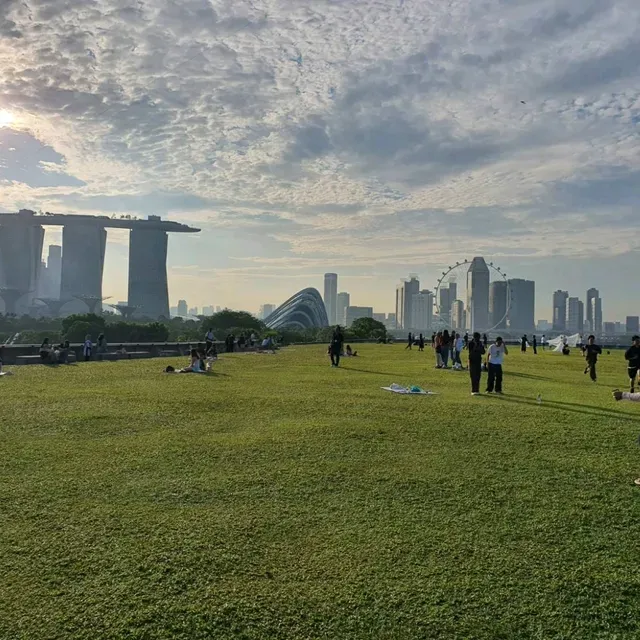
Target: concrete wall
<point x="148" y="287"/>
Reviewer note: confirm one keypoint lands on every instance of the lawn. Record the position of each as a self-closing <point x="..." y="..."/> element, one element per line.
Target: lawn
<point x="284" y="499"/>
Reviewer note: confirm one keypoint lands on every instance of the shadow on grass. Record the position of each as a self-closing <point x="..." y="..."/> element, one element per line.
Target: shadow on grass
<point x="572" y="407"/>
<point x="528" y="376"/>
<point x="379" y="373"/>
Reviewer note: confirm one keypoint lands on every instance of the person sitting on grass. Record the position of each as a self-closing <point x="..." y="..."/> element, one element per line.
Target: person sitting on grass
<point x="45" y="351"/>
<point x="193" y="367"/>
<point x="350" y="353"/>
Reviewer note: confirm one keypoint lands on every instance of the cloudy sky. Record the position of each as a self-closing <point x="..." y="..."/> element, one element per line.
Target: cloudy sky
<point x="375" y="138"/>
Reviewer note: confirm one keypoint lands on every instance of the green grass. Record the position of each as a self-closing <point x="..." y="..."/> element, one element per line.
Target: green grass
<point x="283" y="499"/>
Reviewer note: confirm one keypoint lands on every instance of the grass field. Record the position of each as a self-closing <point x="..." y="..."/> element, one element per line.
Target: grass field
<point x="282" y="499"/>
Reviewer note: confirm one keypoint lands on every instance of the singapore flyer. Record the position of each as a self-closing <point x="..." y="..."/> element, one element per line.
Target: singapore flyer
<point x="472" y="295"/>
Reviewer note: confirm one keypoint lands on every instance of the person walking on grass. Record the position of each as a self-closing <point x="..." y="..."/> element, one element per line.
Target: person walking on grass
<point x="458" y="346"/>
<point x="591" y="352"/>
<point x="632" y="356"/>
<point x="476" y="351"/>
<point x="523" y="344"/>
<point x="335" y="348"/>
<point x="421" y="343"/>
<point x="208" y="341"/>
<point x="409" y="342"/>
<point x="497" y="351"/>
<point x="534" y="345"/>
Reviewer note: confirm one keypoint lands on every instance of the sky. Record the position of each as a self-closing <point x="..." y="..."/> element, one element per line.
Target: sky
<point x="370" y="138"/>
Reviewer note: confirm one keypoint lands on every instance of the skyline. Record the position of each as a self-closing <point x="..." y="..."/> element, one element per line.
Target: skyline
<point x="336" y="283"/>
<point x="370" y="139"/>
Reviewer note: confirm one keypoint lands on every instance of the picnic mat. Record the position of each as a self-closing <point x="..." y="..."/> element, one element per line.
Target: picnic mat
<point x="409" y="391"/>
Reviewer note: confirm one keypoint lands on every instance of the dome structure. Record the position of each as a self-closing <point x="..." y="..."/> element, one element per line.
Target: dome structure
<point x="304" y="310"/>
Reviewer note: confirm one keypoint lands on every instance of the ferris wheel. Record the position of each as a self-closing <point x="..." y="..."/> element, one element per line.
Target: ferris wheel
<point x="495" y="275"/>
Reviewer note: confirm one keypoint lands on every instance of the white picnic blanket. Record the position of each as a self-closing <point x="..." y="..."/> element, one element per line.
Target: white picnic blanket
<point x="412" y="391"/>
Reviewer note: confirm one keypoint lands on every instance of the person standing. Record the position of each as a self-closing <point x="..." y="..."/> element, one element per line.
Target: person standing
<point x="476" y="351"/>
<point x="446" y="348"/>
<point x="458" y="347"/>
<point x="421" y="343"/>
<point x="438" y="350"/>
<point x="523" y="344"/>
<point x="87" y="348"/>
<point x="543" y="341"/>
<point x="497" y="351"/>
<point x="534" y="345"/>
<point x="591" y="352"/>
<point x="409" y="342"/>
<point x="335" y="348"/>
<point x="208" y="341"/>
<point x="466" y="340"/>
<point x="632" y="356"/>
<point x="485" y="340"/>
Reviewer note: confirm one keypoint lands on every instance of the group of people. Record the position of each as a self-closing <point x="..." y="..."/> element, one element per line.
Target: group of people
<point x="243" y="341"/>
<point x="59" y="354"/>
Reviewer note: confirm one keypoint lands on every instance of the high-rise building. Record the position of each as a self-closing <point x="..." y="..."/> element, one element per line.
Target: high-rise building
<point x="575" y="316"/>
<point x="444" y="305"/>
<point x="632" y="325"/>
<point x="54" y="270"/>
<point x="344" y="300"/>
<point x="266" y="310"/>
<point x="422" y="311"/>
<point x="404" y="301"/>
<point x="544" y="325"/>
<point x="560" y="310"/>
<point x="478" y="278"/>
<point x="182" y="308"/>
<point x="174" y="311"/>
<point x="380" y="317"/>
<point x="522" y="311"/>
<point x="498" y="300"/>
<point x="609" y="328"/>
<point x="331" y="296"/>
<point x="594" y="311"/>
<point x="354" y="313"/>
<point x="208" y="311"/>
<point x="391" y="321"/>
<point x="193" y="311"/>
<point x="457" y="315"/>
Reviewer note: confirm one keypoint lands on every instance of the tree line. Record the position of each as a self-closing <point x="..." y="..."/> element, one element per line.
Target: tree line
<point x="116" y="330"/>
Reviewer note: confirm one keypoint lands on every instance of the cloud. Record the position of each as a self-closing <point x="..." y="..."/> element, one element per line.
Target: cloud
<point x="376" y="130"/>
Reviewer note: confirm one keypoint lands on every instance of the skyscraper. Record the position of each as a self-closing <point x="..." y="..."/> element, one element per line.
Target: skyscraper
<point x="632" y="325"/>
<point x="354" y="313"/>
<point x="266" y="310"/>
<point x="594" y="311"/>
<point x="444" y="304"/>
<point x="457" y="315"/>
<point x="522" y="312"/>
<point x="54" y="270"/>
<point x="478" y="295"/>
<point x="498" y="298"/>
<point x="560" y="310"/>
<point x="344" y="300"/>
<point x="331" y="296"/>
<point x="182" y="308"/>
<point x="404" y="301"/>
<point x="575" y="316"/>
<point x="400" y="306"/>
<point x="422" y="311"/>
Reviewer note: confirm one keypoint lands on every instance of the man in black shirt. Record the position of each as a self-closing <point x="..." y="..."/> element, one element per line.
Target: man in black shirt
<point x="591" y="352"/>
<point x="633" y="358"/>
<point x="476" y="351"/>
<point x="335" y="348"/>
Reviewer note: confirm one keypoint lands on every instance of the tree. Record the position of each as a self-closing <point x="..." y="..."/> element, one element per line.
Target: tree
<point x="227" y="320"/>
<point x="368" y="329"/>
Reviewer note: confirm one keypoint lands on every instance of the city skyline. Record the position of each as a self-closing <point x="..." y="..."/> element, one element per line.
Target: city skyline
<point x="498" y="126"/>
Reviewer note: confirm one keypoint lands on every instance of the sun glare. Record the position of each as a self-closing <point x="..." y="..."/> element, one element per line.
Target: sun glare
<point x="6" y="118"/>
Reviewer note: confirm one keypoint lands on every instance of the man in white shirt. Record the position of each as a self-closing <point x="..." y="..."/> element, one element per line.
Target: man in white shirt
<point x="497" y="351"/>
